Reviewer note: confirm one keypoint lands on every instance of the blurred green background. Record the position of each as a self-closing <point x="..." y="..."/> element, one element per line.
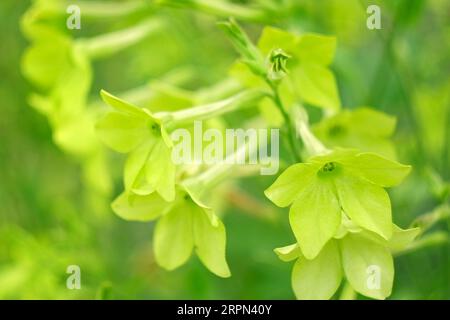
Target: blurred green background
<point x="51" y="217"/>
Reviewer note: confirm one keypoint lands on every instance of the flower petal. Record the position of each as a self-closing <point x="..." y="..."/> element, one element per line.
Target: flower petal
<point x="318" y="279"/>
<point x="210" y="241"/>
<point x="291" y="183"/>
<point x="366" y="204"/>
<point x="288" y="253"/>
<point x="121" y="132"/>
<point x="173" y="239"/>
<point x="368" y="266"/>
<point x="376" y="169"/>
<point x="140" y="208"/>
<point x="315" y="217"/>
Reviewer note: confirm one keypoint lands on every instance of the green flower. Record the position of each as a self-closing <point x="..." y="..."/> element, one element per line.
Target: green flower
<point x="364" y="129"/>
<point x="343" y="180"/>
<point x="134" y="130"/>
<point x="183" y="224"/>
<point x="307" y="58"/>
<point x="363" y="257"/>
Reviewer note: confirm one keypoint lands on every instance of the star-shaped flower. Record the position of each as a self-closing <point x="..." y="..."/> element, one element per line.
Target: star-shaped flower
<point x="134" y="130"/>
<point x="183" y="224"/>
<point x="343" y="180"/>
<point x="362" y="256"/>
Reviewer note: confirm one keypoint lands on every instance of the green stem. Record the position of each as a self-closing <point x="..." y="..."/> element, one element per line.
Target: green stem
<point x="220" y="8"/>
<point x="291" y="130"/>
<point x="97" y="9"/>
<point x="111" y="43"/>
<point x="218" y="172"/>
<point x="211" y="110"/>
<point x="431" y="240"/>
<point x="313" y="146"/>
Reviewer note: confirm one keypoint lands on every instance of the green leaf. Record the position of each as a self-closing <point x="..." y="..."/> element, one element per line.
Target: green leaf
<point x="315" y="217"/>
<point x="376" y="169"/>
<point x="210" y="241"/>
<point x="173" y="240"/>
<point x="316" y="85"/>
<point x="318" y="279"/>
<point x="368" y="266"/>
<point x="291" y="183"/>
<point x="249" y="52"/>
<point x="316" y="48"/>
<point x="288" y="253"/>
<point x="140" y="208"/>
<point x="366" y="204"/>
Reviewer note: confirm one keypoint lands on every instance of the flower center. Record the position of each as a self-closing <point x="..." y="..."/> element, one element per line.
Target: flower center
<point x="328" y="167"/>
<point x="155" y="128"/>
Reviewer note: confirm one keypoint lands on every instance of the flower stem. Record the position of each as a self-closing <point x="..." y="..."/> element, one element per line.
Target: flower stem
<point x="220" y="8"/>
<point x="97" y="9"/>
<point x="110" y="43"/>
<point x="291" y="130"/>
<point x="219" y="171"/>
<point x="312" y="145"/>
<point x="211" y="110"/>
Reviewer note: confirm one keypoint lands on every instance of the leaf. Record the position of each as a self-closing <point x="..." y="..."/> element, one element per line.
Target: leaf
<point x="376" y="169"/>
<point x="316" y="48"/>
<point x="318" y="279"/>
<point x="366" y="204"/>
<point x="140" y="208"/>
<point x="122" y="132"/>
<point x="210" y="241"/>
<point x="317" y="86"/>
<point x="291" y="183"/>
<point x="288" y="253"/>
<point x="249" y="52"/>
<point x="315" y="217"/>
<point x="368" y="266"/>
<point x="173" y="239"/>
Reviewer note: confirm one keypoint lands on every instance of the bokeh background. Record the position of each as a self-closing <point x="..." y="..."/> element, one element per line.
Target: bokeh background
<point x="52" y="215"/>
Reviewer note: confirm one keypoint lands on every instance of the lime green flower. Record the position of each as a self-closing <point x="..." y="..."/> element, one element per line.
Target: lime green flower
<point x="363" y="257"/>
<point x="343" y="180"/>
<point x="364" y="129"/>
<point x="134" y="130"/>
<point x="183" y="224"/>
<point x="304" y="58"/>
